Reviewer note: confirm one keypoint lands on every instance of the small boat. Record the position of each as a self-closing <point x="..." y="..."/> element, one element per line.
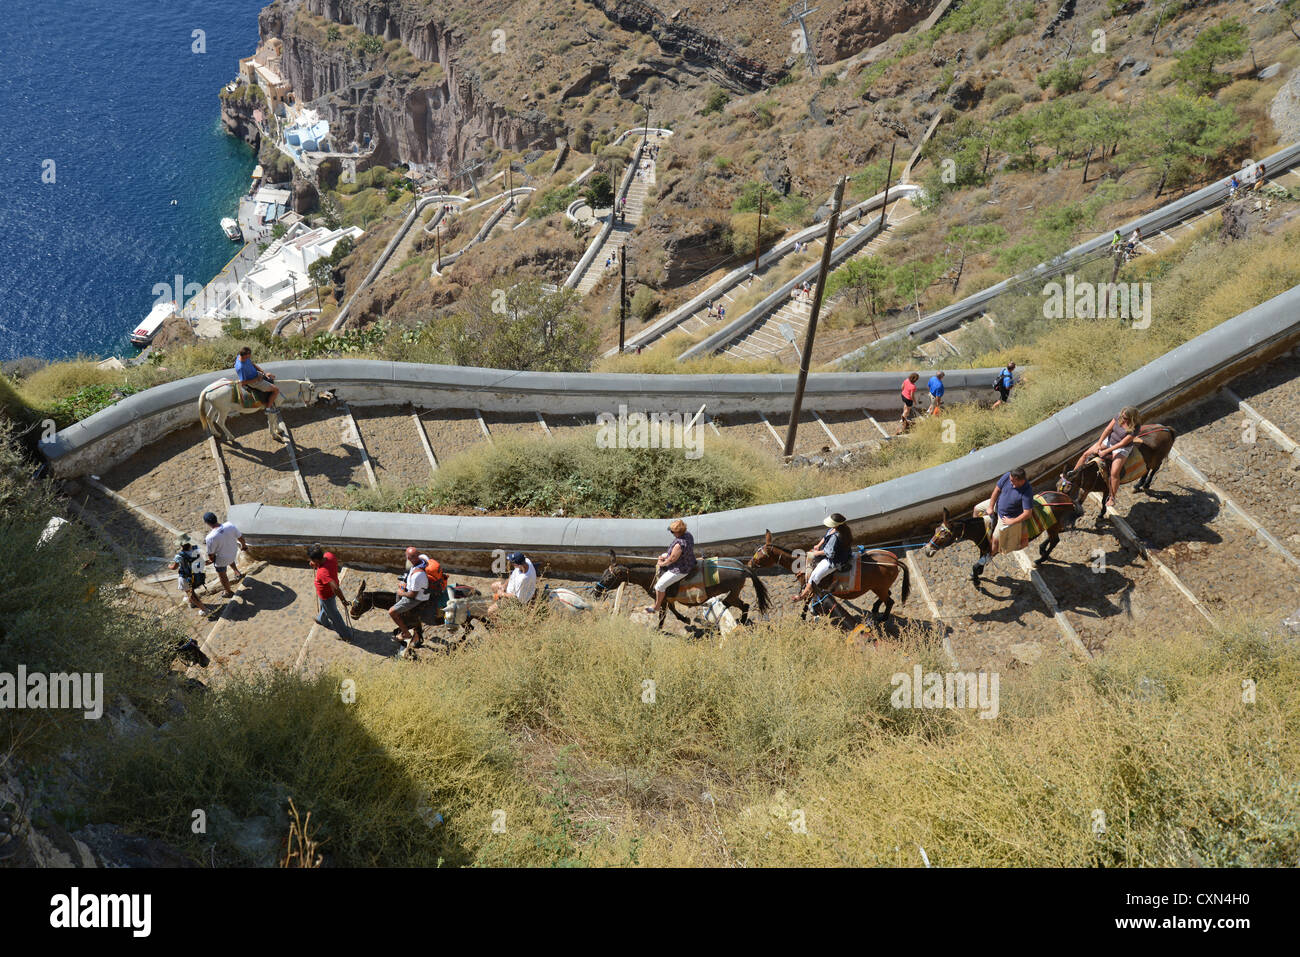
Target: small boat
<point x="151" y="323"/>
<point x="231" y="229"/>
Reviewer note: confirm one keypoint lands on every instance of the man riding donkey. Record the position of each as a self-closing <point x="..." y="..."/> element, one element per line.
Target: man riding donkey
<point x="424" y="582"/>
<point x="1011" y="517"/>
<point x="1109" y="462"/>
<point x="250" y="376"/>
<point x="839" y="570"/>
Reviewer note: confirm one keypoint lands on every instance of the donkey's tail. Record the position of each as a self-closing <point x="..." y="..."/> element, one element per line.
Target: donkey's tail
<point x="907" y="580"/>
<point x="203" y="411"/>
<point x="760" y="590"/>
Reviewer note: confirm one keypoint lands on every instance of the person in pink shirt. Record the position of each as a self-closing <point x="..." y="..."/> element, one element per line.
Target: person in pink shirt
<point x="909" y="399"/>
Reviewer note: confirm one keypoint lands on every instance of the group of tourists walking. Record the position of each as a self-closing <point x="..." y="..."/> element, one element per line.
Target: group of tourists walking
<point x="1003" y="384"/>
<point x="223" y="544"/>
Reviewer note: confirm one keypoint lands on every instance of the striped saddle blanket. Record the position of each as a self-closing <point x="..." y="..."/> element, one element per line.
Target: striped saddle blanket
<point x="1040" y="519"/>
<point x="694" y="587"/>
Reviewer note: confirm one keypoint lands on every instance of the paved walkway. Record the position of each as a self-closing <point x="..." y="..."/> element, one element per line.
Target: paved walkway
<point x="612" y="248"/>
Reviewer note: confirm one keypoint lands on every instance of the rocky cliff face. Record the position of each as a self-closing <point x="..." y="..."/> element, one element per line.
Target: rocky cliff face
<point x="237" y="120"/>
<point x="409" y="118"/>
<point x="701" y="51"/>
<point x="860" y="24"/>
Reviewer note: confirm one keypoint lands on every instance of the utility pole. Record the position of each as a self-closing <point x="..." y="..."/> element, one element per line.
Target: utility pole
<point x="798" y="15"/>
<point x="437" y="238"/>
<point x="889" y="177"/>
<point x="645" y="137"/>
<point x="812" y="319"/>
<point x="758" y="237"/>
<point x="622" y="300"/>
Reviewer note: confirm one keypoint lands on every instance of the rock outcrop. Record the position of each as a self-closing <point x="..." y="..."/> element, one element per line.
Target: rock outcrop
<point x="861" y="24"/>
<point x="409" y="119"/>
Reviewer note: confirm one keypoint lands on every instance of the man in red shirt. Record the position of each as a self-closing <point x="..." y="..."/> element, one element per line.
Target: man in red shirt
<point x="327" y="588"/>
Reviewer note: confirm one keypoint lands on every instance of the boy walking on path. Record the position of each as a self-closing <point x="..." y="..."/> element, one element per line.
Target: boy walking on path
<point x="935" y="386"/>
<point x="190" y="576"/>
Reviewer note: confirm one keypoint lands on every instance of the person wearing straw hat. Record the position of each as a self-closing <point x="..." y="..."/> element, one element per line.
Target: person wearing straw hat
<point x="674" y="564"/>
<point x="833" y="553"/>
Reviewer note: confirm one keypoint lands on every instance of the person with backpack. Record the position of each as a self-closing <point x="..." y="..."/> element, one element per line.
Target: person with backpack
<point x="412" y="593"/>
<point x="1116" y="244"/>
<point x="190" y="574"/>
<point x="1004" y="383"/>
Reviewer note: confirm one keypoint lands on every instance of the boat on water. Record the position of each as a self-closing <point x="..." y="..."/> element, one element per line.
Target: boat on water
<point x="231" y="229"/>
<point x="151" y="323"/>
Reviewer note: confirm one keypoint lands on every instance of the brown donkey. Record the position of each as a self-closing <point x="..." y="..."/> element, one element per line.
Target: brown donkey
<point x="874" y="571"/>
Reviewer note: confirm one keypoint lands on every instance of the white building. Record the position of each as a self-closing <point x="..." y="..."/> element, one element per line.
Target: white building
<point x="283" y="269"/>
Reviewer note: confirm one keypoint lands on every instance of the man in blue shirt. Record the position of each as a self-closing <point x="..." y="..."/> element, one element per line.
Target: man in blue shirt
<point x="1006" y="379"/>
<point x="1013" y="502"/>
<point x="936" y="392"/>
<point x="251" y="376"/>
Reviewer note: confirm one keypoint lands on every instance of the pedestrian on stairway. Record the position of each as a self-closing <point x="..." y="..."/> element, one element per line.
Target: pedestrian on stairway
<point x="328" y="588"/>
<point x="223" y="545"/>
<point x="188" y="563"/>
<point x="909" y="399"/>
<point x="936" y="392"/>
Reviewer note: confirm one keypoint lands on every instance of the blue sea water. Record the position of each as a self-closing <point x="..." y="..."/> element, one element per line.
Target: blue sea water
<point x="113" y="92"/>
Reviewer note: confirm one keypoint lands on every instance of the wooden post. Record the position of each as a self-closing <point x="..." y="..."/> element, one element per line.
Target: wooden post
<point x="884" y="207"/>
<point x="797" y="407"/>
<point x="622" y="300"/>
<point x="758" y="236"/>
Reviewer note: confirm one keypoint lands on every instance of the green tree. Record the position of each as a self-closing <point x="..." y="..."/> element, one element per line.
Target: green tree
<point x="863" y="279"/>
<point x="751" y="193"/>
<point x="516" y="325"/>
<point x="599" y="193"/>
<point x="1181" y="134"/>
<point x="1220" y="43"/>
<point x="717" y="99"/>
<point x="321" y="273"/>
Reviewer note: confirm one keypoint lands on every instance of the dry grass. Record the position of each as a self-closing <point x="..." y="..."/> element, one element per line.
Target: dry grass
<point x="548" y="728"/>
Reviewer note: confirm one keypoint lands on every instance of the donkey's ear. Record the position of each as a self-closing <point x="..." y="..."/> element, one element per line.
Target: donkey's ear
<point x="767" y="536"/>
<point x="945" y="516"/>
<point x="613" y="557"/>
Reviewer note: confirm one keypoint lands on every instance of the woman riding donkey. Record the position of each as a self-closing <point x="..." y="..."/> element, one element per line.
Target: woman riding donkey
<point x="872" y="571"/>
<point x="674" y="564"/>
<point x="676" y="578"/>
<point x="1114" y="447"/>
<point x="1109" y="462"/>
<point x="834" y="553"/>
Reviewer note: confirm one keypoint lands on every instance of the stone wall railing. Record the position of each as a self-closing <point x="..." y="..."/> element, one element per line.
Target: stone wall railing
<point x="880" y="513"/>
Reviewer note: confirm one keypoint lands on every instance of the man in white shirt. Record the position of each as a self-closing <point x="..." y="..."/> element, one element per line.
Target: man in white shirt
<point x="522" y="584"/>
<point x="223" y="543"/>
<point x="412" y="593"/>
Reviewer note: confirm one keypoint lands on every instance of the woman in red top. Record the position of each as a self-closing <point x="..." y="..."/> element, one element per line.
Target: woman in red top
<point x="909" y="398"/>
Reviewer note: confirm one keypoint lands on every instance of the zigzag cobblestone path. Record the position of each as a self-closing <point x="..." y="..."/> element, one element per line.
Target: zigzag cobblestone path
<point x="1102" y="586"/>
